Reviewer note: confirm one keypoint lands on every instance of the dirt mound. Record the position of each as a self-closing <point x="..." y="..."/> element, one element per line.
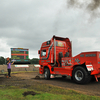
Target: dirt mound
<point x="37" y="77"/>
<point x="29" y="93"/>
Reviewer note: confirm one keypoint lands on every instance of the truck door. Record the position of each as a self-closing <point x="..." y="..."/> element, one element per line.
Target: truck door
<point x="66" y="66"/>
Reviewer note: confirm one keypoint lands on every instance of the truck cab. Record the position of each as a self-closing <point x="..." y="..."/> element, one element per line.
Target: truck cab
<point x="53" y="50"/>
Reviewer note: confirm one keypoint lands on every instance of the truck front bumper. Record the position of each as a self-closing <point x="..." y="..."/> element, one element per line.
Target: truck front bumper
<point x="96" y="74"/>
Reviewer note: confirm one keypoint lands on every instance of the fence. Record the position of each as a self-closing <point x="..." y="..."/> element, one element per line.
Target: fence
<point x="14" y="68"/>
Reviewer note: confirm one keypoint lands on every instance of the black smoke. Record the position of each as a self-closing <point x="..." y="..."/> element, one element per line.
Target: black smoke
<point x="91" y="6"/>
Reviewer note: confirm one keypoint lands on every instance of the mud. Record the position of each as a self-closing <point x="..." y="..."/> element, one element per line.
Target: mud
<point x="28" y="79"/>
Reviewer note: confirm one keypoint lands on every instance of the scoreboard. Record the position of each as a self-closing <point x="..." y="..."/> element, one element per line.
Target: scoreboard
<point x="20" y="55"/>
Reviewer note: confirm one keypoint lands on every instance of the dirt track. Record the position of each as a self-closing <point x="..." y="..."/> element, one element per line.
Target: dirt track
<point x="93" y="88"/>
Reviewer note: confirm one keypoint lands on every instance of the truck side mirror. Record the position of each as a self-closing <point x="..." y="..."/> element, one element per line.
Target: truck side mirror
<point x="38" y="51"/>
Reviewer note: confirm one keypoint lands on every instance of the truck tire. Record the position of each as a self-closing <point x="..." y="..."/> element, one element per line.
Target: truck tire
<point x="80" y="75"/>
<point x="46" y="74"/>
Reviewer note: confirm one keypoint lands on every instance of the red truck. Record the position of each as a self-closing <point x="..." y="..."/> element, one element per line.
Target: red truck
<point x="56" y="59"/>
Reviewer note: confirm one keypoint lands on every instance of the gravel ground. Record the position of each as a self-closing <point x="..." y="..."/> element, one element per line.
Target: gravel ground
<point x="29" y="78"/>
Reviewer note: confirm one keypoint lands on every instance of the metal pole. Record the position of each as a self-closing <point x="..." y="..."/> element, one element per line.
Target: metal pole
<point x="54" y="51"/>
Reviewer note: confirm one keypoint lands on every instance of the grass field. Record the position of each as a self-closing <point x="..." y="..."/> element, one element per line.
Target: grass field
<point x="41" y="92"/>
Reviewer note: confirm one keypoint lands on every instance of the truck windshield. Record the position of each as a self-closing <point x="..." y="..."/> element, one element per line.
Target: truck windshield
<point x="43" y="53"/>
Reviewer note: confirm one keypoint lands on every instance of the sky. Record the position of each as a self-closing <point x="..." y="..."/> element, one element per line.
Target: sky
<point x="29" y="23"/>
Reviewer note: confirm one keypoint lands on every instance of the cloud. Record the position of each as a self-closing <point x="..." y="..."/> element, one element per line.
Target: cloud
<point x="28" y="23"/>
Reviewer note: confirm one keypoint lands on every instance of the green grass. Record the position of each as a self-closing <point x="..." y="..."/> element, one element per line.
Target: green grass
<point x="49" y="93"/>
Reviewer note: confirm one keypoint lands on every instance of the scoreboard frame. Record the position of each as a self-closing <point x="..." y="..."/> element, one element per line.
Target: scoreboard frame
<point x="20" y="55"/>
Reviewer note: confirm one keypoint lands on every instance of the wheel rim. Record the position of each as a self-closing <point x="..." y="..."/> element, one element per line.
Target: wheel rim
<point x="45" y="74"/>
<point x="79" y="75"/>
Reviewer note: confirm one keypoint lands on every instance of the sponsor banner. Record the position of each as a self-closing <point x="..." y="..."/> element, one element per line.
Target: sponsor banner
<point x="13" y="60"/>
<point x="37" y="65"/>
<point x="21" y="66"/>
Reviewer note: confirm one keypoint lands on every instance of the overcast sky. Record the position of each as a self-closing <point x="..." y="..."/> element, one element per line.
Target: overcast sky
<point x="28" y="23"/>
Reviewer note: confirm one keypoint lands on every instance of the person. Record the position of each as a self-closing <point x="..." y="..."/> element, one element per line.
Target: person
<point x="9" y="67"/>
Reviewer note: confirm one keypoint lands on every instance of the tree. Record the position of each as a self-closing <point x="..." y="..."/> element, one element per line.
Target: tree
<point x="2" y="60"/>
<point x="34" y="61"/>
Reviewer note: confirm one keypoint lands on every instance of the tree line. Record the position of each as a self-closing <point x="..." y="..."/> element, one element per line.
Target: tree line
<point x="32" y="61"/>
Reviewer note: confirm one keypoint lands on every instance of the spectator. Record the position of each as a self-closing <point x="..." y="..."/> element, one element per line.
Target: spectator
<point x="9" y="67"/>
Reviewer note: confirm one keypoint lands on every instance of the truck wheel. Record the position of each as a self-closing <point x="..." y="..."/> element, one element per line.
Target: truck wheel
<point x="80" y="75"/>
<point x="46" y="74"/>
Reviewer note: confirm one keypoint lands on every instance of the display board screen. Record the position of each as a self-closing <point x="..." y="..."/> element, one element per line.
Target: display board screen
<point x="20" y="55"/>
